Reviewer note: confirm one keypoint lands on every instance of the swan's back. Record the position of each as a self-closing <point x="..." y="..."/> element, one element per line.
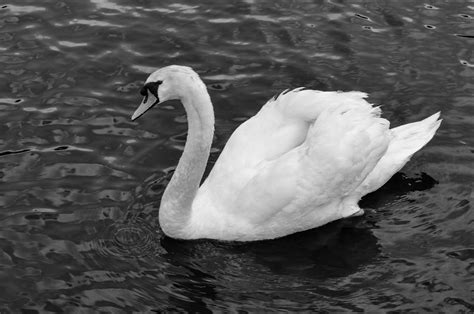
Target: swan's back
<point x="281" y="125"/>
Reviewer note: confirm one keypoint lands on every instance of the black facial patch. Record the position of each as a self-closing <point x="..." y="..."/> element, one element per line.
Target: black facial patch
<point x="152" y="87"/>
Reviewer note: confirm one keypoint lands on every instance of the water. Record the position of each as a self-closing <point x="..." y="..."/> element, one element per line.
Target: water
<point x="81" y="183"/>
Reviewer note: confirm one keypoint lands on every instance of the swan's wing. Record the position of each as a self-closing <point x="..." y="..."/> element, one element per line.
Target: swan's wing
<point x="281" y="125"/>
<point x="266" y="136"/>
<point x="341" y="148"/>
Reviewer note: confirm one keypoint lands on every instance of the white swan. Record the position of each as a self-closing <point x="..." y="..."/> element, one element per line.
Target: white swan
<point x="305" y="159"/>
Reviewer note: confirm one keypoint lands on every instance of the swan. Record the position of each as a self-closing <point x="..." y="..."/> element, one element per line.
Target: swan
<point x="304" y="160"/>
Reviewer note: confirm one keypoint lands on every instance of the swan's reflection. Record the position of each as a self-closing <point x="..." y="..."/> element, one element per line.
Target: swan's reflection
<point x="337" y="249"/>
<point x="400" y="184"/>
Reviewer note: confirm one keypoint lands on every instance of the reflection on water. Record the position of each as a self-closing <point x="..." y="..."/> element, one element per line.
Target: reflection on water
<point x="81" y="183"/>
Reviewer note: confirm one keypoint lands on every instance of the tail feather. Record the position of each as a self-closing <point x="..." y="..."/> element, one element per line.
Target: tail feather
<point x="407" y="139"/>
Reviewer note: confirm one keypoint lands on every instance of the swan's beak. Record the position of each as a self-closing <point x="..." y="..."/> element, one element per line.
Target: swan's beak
<point x="148" y="101"/>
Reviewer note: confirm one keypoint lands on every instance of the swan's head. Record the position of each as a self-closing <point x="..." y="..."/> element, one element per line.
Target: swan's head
<point x="164" y="84"/>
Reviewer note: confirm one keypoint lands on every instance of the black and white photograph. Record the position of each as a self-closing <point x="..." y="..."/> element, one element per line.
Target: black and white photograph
<point x="242" y="156"/>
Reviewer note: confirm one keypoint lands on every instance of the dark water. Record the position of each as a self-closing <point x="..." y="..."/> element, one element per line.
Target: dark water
<point x="81" y="183"/>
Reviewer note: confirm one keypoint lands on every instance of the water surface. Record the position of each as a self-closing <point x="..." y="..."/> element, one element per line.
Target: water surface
<point x="81" y="183"/>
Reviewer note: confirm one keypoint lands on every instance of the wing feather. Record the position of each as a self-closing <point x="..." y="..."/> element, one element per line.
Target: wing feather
<point x="303" y="147"/>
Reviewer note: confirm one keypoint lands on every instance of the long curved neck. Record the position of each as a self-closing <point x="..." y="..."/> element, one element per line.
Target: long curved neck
<point x="177" y="200"/>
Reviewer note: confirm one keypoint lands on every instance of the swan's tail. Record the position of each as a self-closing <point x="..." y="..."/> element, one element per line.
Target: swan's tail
<point x="410" y="138"/>
<point x="407" y="140"/>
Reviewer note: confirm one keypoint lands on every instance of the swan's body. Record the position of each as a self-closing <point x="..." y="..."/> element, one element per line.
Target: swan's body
<point x="305" y="159"/>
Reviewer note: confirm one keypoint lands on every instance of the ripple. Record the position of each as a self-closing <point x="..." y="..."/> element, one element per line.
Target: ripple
<point x="229" y="77"/>
<point x="219" y="86"/>
<point x="362" y="16"/>
<point x="6" y="36"/>
<point x="12" y="59"/>
<point x="11" y="152"/>
<point x="375" y="30"/>
<point x="132" y="238"/>
<point x="466" y="63"/>
<point x="95" y="23"/>
<point x="223" y="20"/>
<point x="431" y="7"/>
<point x="43" y="110"/>
<point x="24" y="8"/>
<point x="71" y="44"/>
<point x="112" y="6"/>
